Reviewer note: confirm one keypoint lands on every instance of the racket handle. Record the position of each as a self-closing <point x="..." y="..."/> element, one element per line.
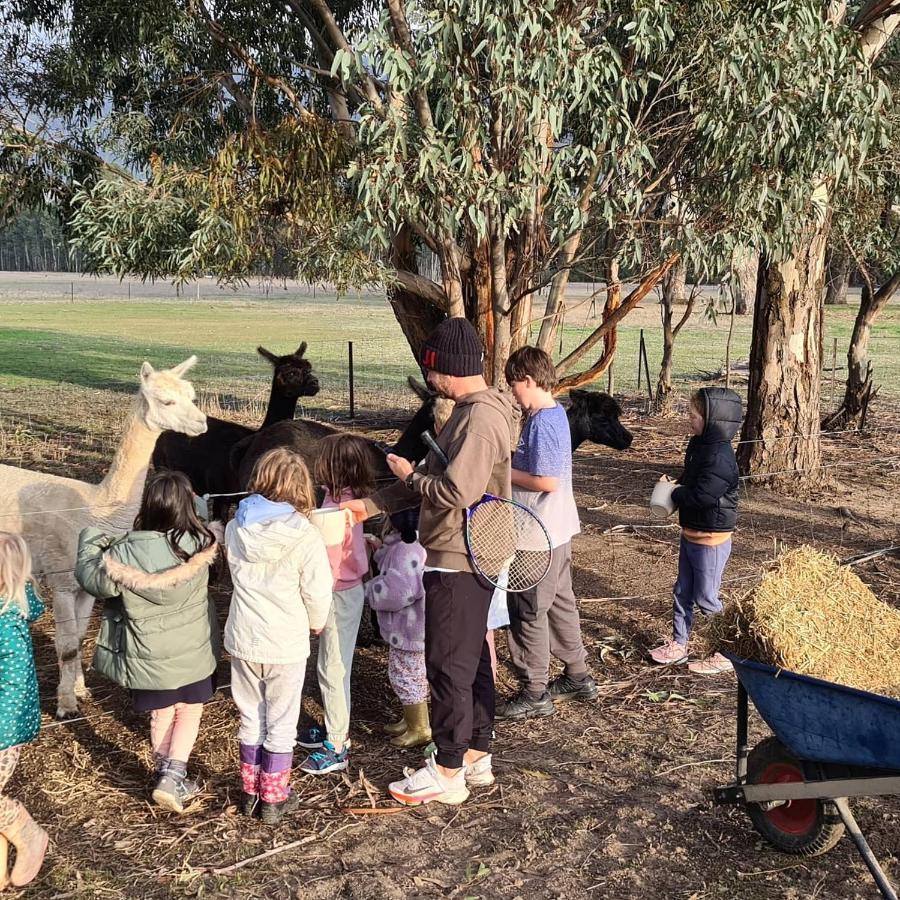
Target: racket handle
<point x="432" y="445"/>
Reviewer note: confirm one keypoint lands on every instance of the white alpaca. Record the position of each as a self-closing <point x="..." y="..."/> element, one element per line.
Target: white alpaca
<point x="50" y="511"/>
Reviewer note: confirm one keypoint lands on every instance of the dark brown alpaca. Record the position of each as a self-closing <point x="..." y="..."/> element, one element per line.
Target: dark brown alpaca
<point x="206" y="459"/>
<point x="305" y="435"/>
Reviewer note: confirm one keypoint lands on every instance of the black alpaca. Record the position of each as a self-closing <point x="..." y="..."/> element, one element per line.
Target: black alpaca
<point x="595" y="417"/>
<point x="206" y="459"/>
<point x="304" y="436"/>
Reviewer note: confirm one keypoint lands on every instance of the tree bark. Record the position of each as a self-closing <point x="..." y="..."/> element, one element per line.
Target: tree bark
<point x="859" y="368"/>
<point x="781" y="426"/>
<point x="417" y="317"/>
<point x="744" y="263"/>
<point x="673" y="287"/>
<point x="837" y="277"/>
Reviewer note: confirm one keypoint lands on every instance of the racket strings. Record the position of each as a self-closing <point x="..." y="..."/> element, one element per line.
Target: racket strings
<point x="507" y="539"/>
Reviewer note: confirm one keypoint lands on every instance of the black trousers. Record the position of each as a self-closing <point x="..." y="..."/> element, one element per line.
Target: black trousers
<point x="458" y="664"/>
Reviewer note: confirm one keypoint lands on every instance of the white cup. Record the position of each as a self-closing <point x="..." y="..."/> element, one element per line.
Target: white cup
<point x="661" y="505"/>
<point x="332" y="524"/>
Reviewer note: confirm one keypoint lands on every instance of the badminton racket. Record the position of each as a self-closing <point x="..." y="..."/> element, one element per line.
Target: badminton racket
<point x="506" y="542"/>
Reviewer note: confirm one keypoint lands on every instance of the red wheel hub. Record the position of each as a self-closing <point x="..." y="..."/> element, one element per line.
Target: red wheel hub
<point x="795" y="816"/>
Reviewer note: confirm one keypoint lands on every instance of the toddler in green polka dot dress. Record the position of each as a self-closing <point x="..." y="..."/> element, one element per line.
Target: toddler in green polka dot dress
<point x="20" y="711"/>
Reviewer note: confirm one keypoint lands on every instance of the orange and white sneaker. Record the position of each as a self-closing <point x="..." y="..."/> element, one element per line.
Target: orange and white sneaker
<point x="711" y="665"/>
<point x="480" y="773"/>
<point x="426" y="784"/>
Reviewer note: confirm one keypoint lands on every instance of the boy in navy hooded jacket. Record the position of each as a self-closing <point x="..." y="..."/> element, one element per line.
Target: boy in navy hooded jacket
<point x="706" y="499"/>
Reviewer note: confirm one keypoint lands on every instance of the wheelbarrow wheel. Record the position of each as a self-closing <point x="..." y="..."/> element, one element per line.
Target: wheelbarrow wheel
<point x="804" y="827"/>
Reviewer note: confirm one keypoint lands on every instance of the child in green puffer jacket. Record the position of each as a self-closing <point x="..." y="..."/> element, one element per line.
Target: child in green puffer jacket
<point x="20" y="711"/>
<point x="158" y="635"/>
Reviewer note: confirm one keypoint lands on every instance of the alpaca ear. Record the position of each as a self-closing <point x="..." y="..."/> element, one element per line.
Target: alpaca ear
<point x="419" y="389"/>
<point x="301" y="349"/>
<point x="182" y="368"/>
<point x="146" y="371"/>
<point x="267" y="354"/>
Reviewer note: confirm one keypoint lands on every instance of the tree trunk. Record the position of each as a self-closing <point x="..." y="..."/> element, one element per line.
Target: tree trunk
<point x="417" y="317"/>
<point x="744" y="263"/>
<point x="859" y="369"/>
<point x="837" y="278"/>
<point x="781" y="426"/>
<point x="672" y="291"/>
<point x="673" y="287"/>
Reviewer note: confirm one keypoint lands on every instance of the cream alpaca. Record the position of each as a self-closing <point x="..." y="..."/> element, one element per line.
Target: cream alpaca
<point x="50" y="511"/>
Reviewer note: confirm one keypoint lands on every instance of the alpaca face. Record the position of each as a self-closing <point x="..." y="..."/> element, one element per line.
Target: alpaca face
<point x="169" y="400"/>
<point x="595" y="417"/>
<point x="294" y="376"/>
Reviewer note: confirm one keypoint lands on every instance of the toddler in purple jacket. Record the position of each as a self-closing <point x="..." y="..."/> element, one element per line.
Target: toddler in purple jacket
<point x="398" y="598"/>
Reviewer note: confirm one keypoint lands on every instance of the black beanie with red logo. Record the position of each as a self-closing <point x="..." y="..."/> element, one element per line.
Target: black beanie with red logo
<point x="454" y="348"/>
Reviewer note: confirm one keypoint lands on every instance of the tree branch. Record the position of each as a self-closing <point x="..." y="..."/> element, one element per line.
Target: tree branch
<point x="218" y="34"/>
<point x="404" y="38"/>
<point x="629" y="303"/>
<point x="333" y="30"/>
<point x="422" y="287"/>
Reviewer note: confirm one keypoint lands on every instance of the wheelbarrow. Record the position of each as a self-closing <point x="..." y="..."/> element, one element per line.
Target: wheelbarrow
<point x="830" y="743"/>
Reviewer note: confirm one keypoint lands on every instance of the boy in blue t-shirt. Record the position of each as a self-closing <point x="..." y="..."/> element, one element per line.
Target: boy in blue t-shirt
<point x="544" y="620"/>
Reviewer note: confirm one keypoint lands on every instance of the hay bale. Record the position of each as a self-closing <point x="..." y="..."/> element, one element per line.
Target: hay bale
<point x="813" y="616"/>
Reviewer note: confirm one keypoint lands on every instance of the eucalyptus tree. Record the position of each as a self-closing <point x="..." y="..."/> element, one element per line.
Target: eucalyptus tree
<point x="782" y="421"/>
<point x="513" y="140"/>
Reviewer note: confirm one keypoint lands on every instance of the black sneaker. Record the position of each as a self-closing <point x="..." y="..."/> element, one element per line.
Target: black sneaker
<point x="523" y="707"/>
<point x="273" y="813"/>
<point x="566" y="688"/>
<point x="174" y="791"/>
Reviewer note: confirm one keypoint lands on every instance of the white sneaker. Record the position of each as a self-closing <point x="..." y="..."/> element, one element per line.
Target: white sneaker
<point x="427" y="784"/>
<point x="479" y="773"/>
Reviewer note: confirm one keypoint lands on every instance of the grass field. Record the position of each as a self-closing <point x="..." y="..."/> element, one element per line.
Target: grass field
<point x="96" y="339"/>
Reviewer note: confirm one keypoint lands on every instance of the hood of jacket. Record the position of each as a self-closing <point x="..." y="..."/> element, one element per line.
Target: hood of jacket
<point x="491" y="397"/>
<point x="153" y="570"/>
<point x="265" y="531"/>
<point x="722" y="414"/>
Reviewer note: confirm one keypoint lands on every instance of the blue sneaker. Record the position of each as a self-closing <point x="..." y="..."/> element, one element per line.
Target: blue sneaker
<point x="321" y="762"/>
<point x="311" y="738"/>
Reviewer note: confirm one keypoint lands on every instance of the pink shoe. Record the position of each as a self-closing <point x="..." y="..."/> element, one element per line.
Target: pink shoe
<point x="712" y="665"/>
<point x="671" y="653"/>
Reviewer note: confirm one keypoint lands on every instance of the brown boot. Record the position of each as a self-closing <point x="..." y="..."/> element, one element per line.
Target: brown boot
<point x="395" y="728"/>
<point x="418" y="728"/>
<point x="30" y="841"/>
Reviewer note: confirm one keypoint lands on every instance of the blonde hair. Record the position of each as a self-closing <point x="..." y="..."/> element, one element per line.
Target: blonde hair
<point x="281" y="476"/>
<point x="344" y="464"/>
<point x="15" y="571"/>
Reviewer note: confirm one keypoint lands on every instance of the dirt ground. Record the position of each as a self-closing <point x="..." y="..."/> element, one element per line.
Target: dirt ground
<point x="609" y="799"/>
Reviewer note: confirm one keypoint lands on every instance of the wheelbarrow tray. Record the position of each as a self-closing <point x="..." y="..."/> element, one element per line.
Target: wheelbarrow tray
<point x="822" y="721"/>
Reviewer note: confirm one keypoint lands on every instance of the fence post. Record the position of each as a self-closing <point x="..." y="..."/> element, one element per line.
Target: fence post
<point x="129" y="290"/>
<point x="640" y="351"/>
<point x="350" y="376"/>
<point x="73" y="290"/>
<point x="646" y="369"/>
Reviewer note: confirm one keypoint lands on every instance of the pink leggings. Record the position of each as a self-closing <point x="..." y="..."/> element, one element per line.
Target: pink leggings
<point x="174" y="729"/>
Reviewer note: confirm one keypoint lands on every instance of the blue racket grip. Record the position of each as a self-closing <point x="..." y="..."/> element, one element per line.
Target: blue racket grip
<point x="432" y="445"/>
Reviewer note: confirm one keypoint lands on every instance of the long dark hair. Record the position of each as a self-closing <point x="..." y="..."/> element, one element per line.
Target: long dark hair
<point x="344" y="464"/>
<point x="168" y="506"/>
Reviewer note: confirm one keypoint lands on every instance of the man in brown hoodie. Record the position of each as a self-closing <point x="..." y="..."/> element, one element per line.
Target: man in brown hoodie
<point x="477" y="440"/>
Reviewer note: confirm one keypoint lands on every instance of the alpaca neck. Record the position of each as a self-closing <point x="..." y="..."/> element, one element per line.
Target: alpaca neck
<point x="575" y="434"/>
<point x="280" y="408"/>
<point x="124" y="481"/>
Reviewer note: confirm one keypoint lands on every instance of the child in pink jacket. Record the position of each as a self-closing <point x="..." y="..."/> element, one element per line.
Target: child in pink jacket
<point x="343" y="468"/>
